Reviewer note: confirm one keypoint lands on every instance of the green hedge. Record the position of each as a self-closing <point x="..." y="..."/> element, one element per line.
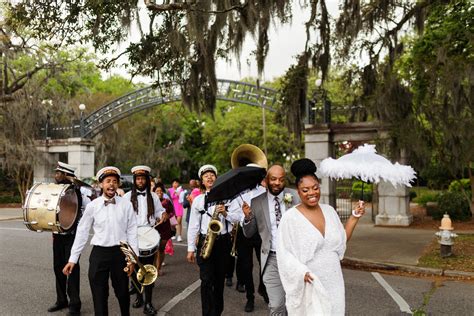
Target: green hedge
<point x="10" y="199"/>
<point x="426" y="197"/>
<point x="357" y="191"/>
<point x="453" y="203"/>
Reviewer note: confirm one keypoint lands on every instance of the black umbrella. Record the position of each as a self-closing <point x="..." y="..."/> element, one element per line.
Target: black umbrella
<point x="234" y="182"/>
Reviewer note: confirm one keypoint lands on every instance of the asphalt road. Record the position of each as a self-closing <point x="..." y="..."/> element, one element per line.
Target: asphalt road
<point x="27" y="285"/>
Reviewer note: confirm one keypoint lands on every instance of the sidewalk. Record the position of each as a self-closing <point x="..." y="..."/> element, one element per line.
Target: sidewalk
<point x="7" y="214"/>
<point x="382" y="248"/>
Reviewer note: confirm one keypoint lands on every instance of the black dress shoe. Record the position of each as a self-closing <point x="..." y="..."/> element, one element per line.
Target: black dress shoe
<point x="228" y="281"/>
<point x="263" y="292"/>
<point x="149" y="309"/>
<point x="57" y="306"/>
<point x="240" y="288"/>
<point x="249" y="306"/>
<point x="138" y="302"/>
<point x="73" y="313"/>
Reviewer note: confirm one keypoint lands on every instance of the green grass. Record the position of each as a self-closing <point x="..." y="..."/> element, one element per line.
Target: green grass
<point x="461" y="260"/>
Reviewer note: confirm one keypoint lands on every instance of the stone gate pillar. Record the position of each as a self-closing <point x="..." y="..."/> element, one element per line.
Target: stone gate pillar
<point x="318" y="146"/>
<point x="78" y="152"/>
<point x="394" y="205"/>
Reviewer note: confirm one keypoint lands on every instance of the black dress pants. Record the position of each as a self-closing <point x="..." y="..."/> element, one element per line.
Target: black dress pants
<point x="66" y="286"/>
<point x="244" y="270"/>
<point x="212" y="274"/>
<point x="106" y="262"/>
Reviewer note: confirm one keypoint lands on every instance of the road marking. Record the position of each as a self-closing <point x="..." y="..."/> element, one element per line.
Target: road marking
<point x="178" y="298"/>
<point x="404" y="307"/>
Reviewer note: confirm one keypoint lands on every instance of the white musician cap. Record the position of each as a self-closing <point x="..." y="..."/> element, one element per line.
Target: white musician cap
<point x="207" y="168"/>
<point x="141" y="170"/>
<point x="66" y="168"/>
<point x="108" y="171"/>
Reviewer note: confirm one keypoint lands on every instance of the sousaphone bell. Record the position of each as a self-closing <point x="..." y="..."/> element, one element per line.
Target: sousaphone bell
<point x="248" y="153"/>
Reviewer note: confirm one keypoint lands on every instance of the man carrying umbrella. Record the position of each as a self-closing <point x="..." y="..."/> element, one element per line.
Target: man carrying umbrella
<point x="213" y="268"/>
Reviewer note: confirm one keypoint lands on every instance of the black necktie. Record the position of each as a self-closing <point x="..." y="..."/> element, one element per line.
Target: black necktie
<point x="277" y="211"/>
<point x="141" y="193"/>
<point x="111" y="201"/>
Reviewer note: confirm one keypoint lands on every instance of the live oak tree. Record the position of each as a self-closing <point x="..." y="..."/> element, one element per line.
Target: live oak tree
<point x="182" y="40"/>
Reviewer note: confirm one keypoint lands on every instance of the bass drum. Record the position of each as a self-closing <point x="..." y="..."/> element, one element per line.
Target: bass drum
<point x="51" y="207"/>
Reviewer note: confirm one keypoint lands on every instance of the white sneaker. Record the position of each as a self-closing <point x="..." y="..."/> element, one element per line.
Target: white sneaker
<point x="173" y="238"/>
<point x="179" y="238"/>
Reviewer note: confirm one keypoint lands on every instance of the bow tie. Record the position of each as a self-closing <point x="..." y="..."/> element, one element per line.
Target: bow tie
<point x="141" y="193"/>
<point x="111" y="201"/>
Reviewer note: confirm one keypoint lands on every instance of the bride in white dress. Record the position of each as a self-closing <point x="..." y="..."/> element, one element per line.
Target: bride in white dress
<point x="311" y="243"/>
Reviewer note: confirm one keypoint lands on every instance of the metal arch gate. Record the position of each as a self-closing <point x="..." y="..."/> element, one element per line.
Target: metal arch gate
<point x="142" y="99"/>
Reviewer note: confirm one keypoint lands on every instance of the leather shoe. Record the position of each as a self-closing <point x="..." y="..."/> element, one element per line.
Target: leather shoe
<point x="249" y="306"/>
<point x="263" y="292"/>
<point x="228" y="281"/>
<point x="57" y="306"/>
<point x="149" y="309"/>
<point x="138" y="302"/>
<point x="73" y="313"/>
<point x="240" y="288"/>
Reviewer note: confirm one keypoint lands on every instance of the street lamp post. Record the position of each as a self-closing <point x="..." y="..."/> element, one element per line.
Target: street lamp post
<point x="320" y="91"/>
<point x="48" y="104"/>
<point x="82" y="107"/>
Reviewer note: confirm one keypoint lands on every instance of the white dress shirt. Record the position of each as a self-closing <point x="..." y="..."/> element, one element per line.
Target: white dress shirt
<point x="271" y="208"/>
<point x="236" y="204"/>
<point x="198" y="215"/>
<point x="142" y="215"/>
<point x="111" y="224"/>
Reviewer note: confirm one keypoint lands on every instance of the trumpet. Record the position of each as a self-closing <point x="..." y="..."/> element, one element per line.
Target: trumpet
<point x="213" y="230"/>
<point x="233" y="233"/>
<point x="146" y="274"/>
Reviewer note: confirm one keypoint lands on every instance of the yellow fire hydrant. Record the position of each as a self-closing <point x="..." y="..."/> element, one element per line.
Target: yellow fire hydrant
<point x="446" y="236"/>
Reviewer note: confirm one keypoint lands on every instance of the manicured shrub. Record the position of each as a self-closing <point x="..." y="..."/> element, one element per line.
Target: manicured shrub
<point x="455" y="204"/>
<point x="460" y="185"/>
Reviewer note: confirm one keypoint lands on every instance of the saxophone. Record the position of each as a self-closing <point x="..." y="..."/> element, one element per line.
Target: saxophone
<point x="213" y="230"/>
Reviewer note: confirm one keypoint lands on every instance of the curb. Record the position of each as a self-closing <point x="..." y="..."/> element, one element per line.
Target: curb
<point x="9" y="219"/>
<point x="361" y="264"/>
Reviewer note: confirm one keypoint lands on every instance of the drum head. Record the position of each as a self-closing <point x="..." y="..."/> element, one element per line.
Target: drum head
<point x="148" y="237"/>
<point x="68" y="209"/>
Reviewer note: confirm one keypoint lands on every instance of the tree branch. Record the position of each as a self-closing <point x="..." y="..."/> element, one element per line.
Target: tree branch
<point x="152" y="6"/>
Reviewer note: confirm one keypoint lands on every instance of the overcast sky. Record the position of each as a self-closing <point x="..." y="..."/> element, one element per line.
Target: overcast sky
<point x="286" y="42"/>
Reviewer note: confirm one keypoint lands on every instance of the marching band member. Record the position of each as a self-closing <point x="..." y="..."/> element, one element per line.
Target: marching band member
<point x="62" y="244"/>
<point x="245" y="248"/>
<point x="113" y="220"/>
<point x="149" y="211"/>
<point x="212" y="269"/>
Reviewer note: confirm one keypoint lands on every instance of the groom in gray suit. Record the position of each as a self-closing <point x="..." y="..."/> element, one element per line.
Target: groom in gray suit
<point x="263" y="216"/>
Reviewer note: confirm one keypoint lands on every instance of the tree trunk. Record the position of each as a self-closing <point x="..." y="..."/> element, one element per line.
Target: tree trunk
<point x="471" y="177"/>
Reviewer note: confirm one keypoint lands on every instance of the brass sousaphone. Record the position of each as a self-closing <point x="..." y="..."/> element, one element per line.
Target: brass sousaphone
<point x="242" y="156"/>
<point x="248" y="153"/>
